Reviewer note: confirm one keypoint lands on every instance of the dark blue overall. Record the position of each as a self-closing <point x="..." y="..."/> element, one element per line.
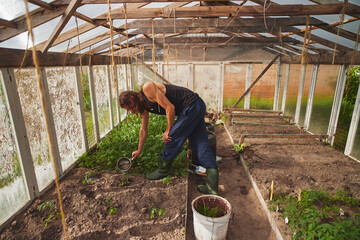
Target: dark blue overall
<point x="189" y="124"/>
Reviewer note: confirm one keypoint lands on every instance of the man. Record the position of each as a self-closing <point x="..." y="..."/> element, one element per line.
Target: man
<point x="171" y="100"/>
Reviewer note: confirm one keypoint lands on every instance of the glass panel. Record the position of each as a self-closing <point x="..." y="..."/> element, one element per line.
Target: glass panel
<point x="293" y="88"/>
<point x="206" y="84"/>
<point x="13" y="193"/>
<point x="262" y="94"/>
<point x="356" y="148"/>
<point x="122" y="86"/>
<point x="178" y="74"/>
<point x="102" y="98"/>
<point x="66" y="111"/>
<point x="282" y="84"/>
<point x="234" y="84"/>
<point x="35" y="125"/>
<point x="305" y="94"/>
<point x="323" y="98"/>
<point x="87" y="107"/>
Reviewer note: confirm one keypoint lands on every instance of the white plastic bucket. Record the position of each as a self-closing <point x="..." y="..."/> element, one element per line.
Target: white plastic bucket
<point x="207" y="228"/>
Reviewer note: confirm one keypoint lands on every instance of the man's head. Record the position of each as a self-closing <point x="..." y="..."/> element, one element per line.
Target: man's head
<point x="131" y="101"/>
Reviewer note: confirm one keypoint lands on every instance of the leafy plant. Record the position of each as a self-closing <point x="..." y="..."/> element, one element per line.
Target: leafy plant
<point x="239" y="148"/>
<point x="48" y="205"/>
<point x="205" y="210"/>
<point x="87" y="177"/>
<point x="123" y="140"/>
<point x="318" y="215"/>
<point x="112" y="209"/>
<point x="156" y="212"/>
<point x="167" y="181"/>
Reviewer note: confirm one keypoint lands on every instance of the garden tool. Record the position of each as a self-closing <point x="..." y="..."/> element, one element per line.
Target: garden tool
<point x="212" y="182"/>
<point x="124" y="164"/>
<point x="163" y="170"/>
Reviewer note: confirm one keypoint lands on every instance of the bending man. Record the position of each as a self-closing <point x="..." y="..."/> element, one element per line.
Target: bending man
<point x="171" y="100"/>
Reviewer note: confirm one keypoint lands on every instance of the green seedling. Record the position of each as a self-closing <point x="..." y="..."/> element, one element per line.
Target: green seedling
<point x="319" y="215"/>
<point x="112" y="209"/>
<point x="48" y="205"/>
<point x="167" y="181"/>
<point x="87" y="177"/>
<point x="239" y="148"/>
<point x="156" y="212"/>
<point x="205" y="210"/>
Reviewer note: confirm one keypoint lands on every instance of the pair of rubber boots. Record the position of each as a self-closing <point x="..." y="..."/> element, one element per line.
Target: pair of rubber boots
<point x="164" y="170"/>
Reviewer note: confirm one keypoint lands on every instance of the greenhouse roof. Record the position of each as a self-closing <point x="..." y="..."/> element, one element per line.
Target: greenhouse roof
<point x="278" y="26"/>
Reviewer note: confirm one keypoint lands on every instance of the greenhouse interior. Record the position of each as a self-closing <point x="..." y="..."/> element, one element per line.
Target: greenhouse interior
<point x="280" y="80"/>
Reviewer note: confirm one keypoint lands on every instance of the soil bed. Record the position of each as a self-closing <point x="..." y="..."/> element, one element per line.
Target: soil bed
<point x="295" y="164"/>
<point x="87" y="209"/>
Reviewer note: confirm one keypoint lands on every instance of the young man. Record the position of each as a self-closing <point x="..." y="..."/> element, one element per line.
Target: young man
<point x="171" y="100"/>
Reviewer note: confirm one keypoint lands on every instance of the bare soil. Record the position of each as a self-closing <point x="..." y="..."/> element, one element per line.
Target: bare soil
<point x="293" y="164"/>
<point x="87" y="211"/>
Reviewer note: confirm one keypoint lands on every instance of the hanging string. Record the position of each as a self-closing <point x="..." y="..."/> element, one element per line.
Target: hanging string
<point x="303" y="53"/>
<point x="281" y="42"/>
<point x="80" y="58"/>
<point x="25" y="53"/>
<point x="164" y="46"/>
<point x="355" y="48"/>
<point x="112" y="52"/>
<point x="136" y="62"/>
<point x="176" y="61"/>
<point x="168" y="57"/>
<point x="340" y="26"/>
<point x="153" y="48"/>
<point x="41" y="88"/>
<point x="127" y="41"/>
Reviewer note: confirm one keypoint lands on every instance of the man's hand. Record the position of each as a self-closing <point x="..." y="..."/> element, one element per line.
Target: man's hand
<point x="166" y="137"/>
<point x="135" y="154"/>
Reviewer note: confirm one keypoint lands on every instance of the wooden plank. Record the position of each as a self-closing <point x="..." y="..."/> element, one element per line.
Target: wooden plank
<point x="323" y="58"/>
<point x="256" y="80"/>
<point x="260" y="116"/>
<point x="60" y="26"/>
<point x="7" y="24"/>
<point x="41" y="4"/>
<point x="12" y="58"/>
<point x="231" y="11"/>
<point x="250" y="110"/>
<point x="319" y="136"/>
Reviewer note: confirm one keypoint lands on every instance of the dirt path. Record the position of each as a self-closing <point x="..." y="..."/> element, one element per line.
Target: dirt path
<point x="250" y="221"/>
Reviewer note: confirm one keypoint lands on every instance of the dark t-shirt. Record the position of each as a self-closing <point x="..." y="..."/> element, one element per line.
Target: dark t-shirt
<point x="180" y="97"/>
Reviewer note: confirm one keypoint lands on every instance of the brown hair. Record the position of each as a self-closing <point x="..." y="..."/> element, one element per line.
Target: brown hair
<point x="128" y="98"/>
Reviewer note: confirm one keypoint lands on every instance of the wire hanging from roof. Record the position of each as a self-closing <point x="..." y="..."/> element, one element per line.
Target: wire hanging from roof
<point x="355" y="48"/>
<point x="47" y="124"/>
<point x="340" y="26"/>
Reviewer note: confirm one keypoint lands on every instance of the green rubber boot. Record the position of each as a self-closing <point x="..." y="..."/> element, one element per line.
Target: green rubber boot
<point x="212" y="182"/>
<point x="163" y="170"/>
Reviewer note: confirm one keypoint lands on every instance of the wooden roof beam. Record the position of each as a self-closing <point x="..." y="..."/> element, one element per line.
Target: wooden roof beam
<point x="8" y="24"/>
<point x="231" y="11"/>
<point x="60" y="26"/>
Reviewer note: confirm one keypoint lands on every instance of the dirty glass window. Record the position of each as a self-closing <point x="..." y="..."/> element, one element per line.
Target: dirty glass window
<point x="234" y="84"/>
<point x="178" y="74"/>
<point x="35" y="125"/>
<point x="12" y="187"/>
<point x="293" y="88"/>
<point x="66" y="113"/>
<point x="207" y="84"/>
<point x="102" y="98"/>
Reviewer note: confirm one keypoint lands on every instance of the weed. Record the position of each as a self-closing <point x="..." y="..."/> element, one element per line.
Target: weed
<point x="318" y="215"/>
<point x="239" y="148"/>
<point x="167" y="181"/>
<point x="156" y="212"/>
<point x="112" y="209"/>
<point x="205" y="210"/>
<point x="48" y="205"/>
<point x="87" y="177"/>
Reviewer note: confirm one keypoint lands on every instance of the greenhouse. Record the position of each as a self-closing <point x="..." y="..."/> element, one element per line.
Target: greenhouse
<point x="280" y="80"/>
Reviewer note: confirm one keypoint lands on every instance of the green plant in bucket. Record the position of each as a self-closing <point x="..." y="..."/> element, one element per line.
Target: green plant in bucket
<point x="205" y="210"/>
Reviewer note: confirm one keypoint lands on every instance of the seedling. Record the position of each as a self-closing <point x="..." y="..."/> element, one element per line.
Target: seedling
<point x="167" y="181"/>
<point x="53" y="214"/>
<point x="205" y="210"/>
<point x="87" y="177"/>
<point x="156" y="212"/>
<point x="112" y="209"/>
<point x="239" y="148"/>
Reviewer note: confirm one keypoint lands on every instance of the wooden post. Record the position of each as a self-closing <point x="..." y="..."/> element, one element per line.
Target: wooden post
<point x="257" y="79"/>
<point x="277" y="88"/>
<point x="94" y="105"/>
<point x="311" y="97"/>
<point x="300" y="93"/>
<point x="286" y="83"/>
<point x="247" y="85"/>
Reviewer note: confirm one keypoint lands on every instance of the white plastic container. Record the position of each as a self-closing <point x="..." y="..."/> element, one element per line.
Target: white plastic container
<point x="209" y="228"/>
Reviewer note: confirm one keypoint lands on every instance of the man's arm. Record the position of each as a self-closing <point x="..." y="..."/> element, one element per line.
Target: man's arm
<point x="154" y="94"/>
<point x="142" y="134"/>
